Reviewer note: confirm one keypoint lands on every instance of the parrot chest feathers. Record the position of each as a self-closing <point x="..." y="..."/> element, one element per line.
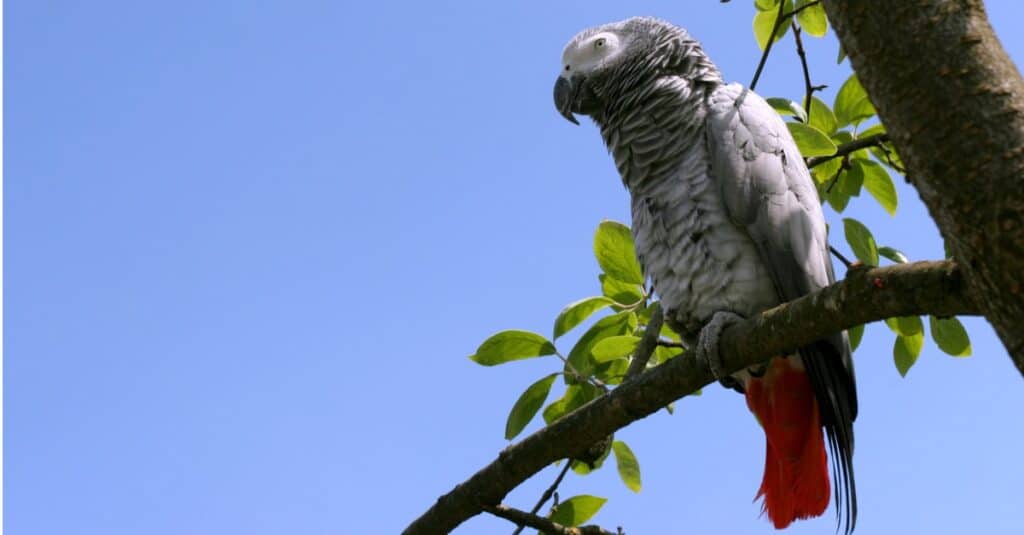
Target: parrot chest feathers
<point x="697" y="258"/>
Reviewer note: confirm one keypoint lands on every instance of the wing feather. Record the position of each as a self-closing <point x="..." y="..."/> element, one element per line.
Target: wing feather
<point x="768" y="191"/>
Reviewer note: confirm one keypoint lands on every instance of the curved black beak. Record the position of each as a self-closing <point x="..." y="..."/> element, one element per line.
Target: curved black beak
<point x="565" y="96"/>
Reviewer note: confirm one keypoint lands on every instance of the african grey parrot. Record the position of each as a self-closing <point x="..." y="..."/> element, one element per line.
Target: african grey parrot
<point x="727" y="223"/>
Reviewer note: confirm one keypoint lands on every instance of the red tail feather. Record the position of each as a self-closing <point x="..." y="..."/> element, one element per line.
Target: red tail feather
<point x="796" y="480"/>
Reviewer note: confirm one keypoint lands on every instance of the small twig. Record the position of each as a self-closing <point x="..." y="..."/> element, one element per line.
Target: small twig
<point x="540" y="523"/>
<point x="888" y="159"/>
<point x="779" y="17"/>
<point x="580" y="377"/>
<point x="648" y="342"/>
<point x="547" y="494"/>
<point x="803" y="7"/>
<point x="846" y="261"/>
<point x="835" y="178"/>
<point x="809" y="88"/>
<point x="672" y="344"/>
<point x="848" y="148"/>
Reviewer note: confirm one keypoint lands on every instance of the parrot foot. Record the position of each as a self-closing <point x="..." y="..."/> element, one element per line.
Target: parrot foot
<point x="707" y="341"/>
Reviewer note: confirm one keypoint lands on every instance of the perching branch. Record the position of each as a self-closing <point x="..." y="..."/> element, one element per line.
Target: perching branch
<point x="865" y="295"/>
<point x="544" y="525"/>
<point x="845" y="149"/>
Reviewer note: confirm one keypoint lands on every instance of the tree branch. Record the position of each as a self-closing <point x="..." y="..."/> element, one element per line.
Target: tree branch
<point x="544" y="525"/>
<point x="848" y="148"/>
<point x="865" y="295"/>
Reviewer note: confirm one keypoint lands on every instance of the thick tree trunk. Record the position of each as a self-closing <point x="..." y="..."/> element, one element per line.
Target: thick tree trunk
<point x="953" y="104"/>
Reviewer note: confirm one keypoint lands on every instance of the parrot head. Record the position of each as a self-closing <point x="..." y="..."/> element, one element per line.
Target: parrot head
<point x="604" y="64"/>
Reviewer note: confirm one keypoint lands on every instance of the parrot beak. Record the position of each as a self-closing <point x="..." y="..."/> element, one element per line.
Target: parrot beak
<point x="565" y="96"/>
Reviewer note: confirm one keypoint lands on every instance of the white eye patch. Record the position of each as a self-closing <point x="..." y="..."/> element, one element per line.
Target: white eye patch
<point x="590" y="53"/>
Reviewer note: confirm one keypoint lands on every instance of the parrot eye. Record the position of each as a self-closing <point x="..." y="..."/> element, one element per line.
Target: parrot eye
<point x="599" y="43"/>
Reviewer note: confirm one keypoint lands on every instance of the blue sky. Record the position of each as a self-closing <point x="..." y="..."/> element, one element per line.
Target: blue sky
<point x="249" y="246"/>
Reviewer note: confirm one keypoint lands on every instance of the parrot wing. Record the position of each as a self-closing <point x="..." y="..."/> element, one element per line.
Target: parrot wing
<point x="768" y="191"/>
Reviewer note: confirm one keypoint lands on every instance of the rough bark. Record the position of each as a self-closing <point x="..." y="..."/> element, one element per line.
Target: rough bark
<point x="953" y="104"/>
<point x="865" y="295"/>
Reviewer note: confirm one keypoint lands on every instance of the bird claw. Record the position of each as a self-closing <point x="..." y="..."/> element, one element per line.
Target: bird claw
<point x="707" y="341"/>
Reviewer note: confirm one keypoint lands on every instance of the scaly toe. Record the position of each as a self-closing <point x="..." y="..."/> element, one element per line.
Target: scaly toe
<point x="707" y="340"/>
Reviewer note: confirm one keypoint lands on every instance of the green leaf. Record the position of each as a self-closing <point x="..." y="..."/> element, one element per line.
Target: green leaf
<point x="893" y="254"/>
<point x="905" y="351"/>
<point x="905" y="325"/>
<point x="575" y="397"/>
<point x="861" y="241"/>
<point x="822" y="117"/>
<point x="845" y="136"/>
<point x="764" y="21"/>
<point x="643" y="313"/>
<point x="507" y="346"/>
<point x="614" y="347"/>
<point x="871" y="130"/>
<point x="852" y="105"/>
<point x="889" y="156"/>
<point x="878" y="183"/>
<point x="839" y="197"/>
<point x="582" y="468"/>
<point x="664" y="354"/>
<point x="527" y="405"/>
<point x="615" y="252"/>
<point x="612" y="373"/>
<point x="764" y="5"/>
<point x="667" y="332"/>
<point x="850" y="182"/>
<point x="826" y="171"/>
<point x="949" y="334"/>
<point x="784" y="107"/>
<point x="623" y="293"/>
<point x="812" y="19"/>
<point x="842" y="136"/>
<point x="580" y="357"/>
<point x="574" y="313"/>
<point x="855" y="334"/>
<point x="810" y="140"/>
<point x="629" y="468"/>
<point x="577" y="510"/>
